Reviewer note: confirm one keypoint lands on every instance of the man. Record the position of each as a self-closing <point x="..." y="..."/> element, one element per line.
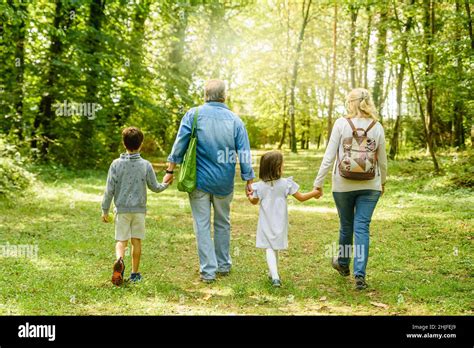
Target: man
<point x="221" y="135"/>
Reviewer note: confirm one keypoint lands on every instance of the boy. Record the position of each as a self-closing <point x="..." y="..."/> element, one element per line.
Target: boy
<point x="127" y="181"/>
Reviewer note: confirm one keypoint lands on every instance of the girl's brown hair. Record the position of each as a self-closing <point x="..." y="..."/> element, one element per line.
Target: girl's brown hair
<point x="270" y="166"/>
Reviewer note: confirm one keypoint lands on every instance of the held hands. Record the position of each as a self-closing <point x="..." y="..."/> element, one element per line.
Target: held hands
<point x="318" y="192"/>
<point x="248" y="188"/>
<point x="169" y="176"/>
<point x="105" y="218"/>
<point x="168" y="179"/>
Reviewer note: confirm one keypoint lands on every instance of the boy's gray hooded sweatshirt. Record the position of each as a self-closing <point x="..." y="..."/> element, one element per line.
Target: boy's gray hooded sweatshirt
<point x="127" y="181"/>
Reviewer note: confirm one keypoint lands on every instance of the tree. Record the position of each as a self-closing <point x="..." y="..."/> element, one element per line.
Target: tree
<point x="469" y="22"/>
<point x="144" y="63"/>
<point x="285" y="81"/>
<point x="19" y="39"/>
<point x="428" y="137"/>
<point x="43" y="133"/>
<point x="429" y="30"/>
<point x="367" y="46"/>
<point x="458" y="108"/>
<point x="94" y="41"/>
<point x="333" y="75"/>
<point x="353" y="10"/>
<point x="380" y="61"/>
<point x="305" y="10"/>
<point x="400" y="77"/>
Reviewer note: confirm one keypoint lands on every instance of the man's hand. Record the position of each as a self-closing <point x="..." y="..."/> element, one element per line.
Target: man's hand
<point x="168" y="179"/>
<point x="319" y="193"/>
<point x="248" y="188"/>
<point x="105" y="218"/>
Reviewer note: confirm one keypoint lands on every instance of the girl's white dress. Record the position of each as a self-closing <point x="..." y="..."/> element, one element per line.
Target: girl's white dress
<point x="272" y="230"/>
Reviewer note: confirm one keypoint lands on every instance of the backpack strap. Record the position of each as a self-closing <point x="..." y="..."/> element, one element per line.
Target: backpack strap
<point x="354" y="129"/>
<point x="374" y="122"/>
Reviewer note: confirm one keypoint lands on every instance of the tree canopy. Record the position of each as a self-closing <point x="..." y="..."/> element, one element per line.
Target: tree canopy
<point x="74" y="73"/>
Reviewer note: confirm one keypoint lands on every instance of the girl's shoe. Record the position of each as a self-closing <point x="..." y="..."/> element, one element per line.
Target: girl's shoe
<point x="135" y="277"/>
<point x="117" y="275"/>
<point x="276" y="283"/>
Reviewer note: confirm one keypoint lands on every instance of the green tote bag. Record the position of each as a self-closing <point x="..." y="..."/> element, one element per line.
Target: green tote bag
<point x="187" y="173"/>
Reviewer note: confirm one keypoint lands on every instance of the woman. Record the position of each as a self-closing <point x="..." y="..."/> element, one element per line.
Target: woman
<point x="358" y="180"/>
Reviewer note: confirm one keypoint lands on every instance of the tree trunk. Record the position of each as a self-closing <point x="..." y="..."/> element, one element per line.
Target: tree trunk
<point x="366" y="49"/>
<point x="135" y="69"/>
<point x="285" y="123"/>
<point x="308" y="138"/>
<point x="19" y="40"/>
<point x="294" y="76"/>
<point x="380" y="62"/>
<point x="134" y="72"/>
<point x="305" y="133"/>
<point x="285" y="84"/>
<point x="429" y="27"/>
<point x="418" y="98"/>
<point x="400" y="76"/>
<point x="42" y="133"/>
<point x="333" y="76"/>
<point x="458" y="103"/>
<point x="179" y="76"/>
<point x="469" y="21"/>
<point x="353" y="11"/>
<point x="87" y="126"/>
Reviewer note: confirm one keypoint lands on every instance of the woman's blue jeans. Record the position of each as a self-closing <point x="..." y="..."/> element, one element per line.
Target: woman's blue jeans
<point x="355" y="209"/>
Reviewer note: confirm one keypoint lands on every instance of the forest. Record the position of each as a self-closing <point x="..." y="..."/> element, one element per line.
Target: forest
<point x="74" y="73"/>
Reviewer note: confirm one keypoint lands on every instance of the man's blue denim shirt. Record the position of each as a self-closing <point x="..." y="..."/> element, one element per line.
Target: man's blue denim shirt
<point x="222" y="138"/>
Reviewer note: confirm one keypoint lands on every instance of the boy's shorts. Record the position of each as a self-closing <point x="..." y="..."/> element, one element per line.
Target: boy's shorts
<point x="129" y="225"/>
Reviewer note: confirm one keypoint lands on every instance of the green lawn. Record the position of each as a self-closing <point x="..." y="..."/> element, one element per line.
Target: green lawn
<point x="421" y="251"/>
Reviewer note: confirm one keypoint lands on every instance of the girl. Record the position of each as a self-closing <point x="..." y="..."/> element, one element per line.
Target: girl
<point x="271" y="192"/>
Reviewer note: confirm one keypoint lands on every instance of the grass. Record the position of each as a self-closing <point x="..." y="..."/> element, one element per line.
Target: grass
<point x="420" y="253"/>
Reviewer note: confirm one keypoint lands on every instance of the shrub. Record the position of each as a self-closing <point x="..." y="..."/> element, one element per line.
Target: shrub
<point x="13" y="178"/>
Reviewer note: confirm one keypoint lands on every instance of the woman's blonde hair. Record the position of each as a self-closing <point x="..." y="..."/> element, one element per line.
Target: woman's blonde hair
<point x="360" y="104"/>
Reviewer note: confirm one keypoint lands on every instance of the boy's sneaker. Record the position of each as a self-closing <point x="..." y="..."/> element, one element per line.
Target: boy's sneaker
<point x="343" y="270"/>
<point x="360" y="283"/>
<point x="135" y="277"/>
<point x="276" y="283"/>
<point x="117" y="275"/>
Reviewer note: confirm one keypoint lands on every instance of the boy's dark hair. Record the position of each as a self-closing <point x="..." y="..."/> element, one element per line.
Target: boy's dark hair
<point x="270" y="166"/>
<point x="132" y="138"/>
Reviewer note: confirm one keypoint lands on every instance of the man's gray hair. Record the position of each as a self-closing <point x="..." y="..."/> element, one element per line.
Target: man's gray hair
<point x="214" y="90"/>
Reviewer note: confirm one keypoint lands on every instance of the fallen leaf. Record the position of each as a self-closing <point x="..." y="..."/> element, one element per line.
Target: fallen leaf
<point x="207" y="297"/>
<point x="379" y="304"/>
<point x="324" y="298"/>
